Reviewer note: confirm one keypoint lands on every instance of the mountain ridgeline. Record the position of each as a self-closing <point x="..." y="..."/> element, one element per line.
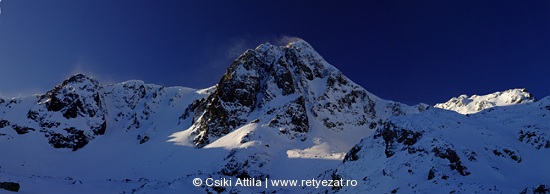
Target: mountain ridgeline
<point x="276" y="112"/>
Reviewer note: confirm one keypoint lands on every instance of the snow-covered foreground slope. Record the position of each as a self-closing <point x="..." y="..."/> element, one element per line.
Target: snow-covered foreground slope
<point x="473" y="104"/>
<point x="499" y="150"/>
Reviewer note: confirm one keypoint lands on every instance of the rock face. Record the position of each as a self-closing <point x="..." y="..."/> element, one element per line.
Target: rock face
<point x="464" y="104"/>
<point x="76" y="100"/>
<point x="291" y="85"/>
<point x="78" y="110"/>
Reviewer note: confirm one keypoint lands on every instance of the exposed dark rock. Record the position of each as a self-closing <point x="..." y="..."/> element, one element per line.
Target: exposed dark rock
<point x="246" y="137"/>
<point x="195" y="106"/>
<point x="75" y="140"/>
<point x="4" y="123"/>
<point x="72" y="111"/>
<point x="10" y="186"/>
<point x="388" y="135"/>
<point x="471" y="156"/>
<point x="21" y="129"/>
<point x="514" y="155"/>
<point x="294" y="118"/>
<point x="142" y="139"/>
<point x="32" y="115"/>
<point x="100" y="130"/>
<point x="372" y="125"/>
<point x="49" y="124"/>
<point x="431" y="174"/>
<point x="396" y="109"/>
<point x="352" y="154"/>
<point x="394" y="190"/>
<point x="497" y="153"/>
<point x="542" y="189"/>
<point x="335" y="177"/>
<point x="218" y="189"/>
<point x="535" y="137"/>
<point x="54" y="104"/>
<point x="391" y="135"/>
<point x="453" y="158"/>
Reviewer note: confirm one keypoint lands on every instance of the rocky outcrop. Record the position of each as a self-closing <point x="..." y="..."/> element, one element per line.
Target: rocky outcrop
<point x="77" y="98"/>
<point x="10" y="186"/>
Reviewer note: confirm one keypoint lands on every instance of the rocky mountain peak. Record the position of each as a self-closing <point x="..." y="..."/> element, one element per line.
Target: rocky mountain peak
<point x="464" y="104"/>
<point x="291" y="84"/>
<point x="73" y="91"/>
<point x="80" y="78"/>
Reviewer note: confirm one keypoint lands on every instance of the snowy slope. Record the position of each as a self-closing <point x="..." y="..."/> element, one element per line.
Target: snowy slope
<point x="464" y="104"/>
<point x="502" y="150"/>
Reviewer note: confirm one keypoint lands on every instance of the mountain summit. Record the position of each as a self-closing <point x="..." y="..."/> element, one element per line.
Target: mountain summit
<point x="286" y="87"/>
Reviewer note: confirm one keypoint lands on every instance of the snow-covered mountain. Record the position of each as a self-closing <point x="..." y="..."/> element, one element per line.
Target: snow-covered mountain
<point x="473" y="104"/>
<point x="283" y="88"/>
<point x="283" y="102"/>
<point x="278" y="113"/>
<point x="274" y="107"/>
<point x="502" y="150"/>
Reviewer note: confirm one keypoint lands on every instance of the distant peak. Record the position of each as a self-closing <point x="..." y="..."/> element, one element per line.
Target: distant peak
<point x="76" y="79"/>
<point x="464" y="104"/>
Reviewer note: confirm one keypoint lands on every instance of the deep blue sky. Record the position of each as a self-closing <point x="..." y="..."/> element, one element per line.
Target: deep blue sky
<point x="406" y="51"/>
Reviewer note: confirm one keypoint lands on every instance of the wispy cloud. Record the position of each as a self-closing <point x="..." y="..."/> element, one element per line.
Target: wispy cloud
<point x="86" y="66"/>
<point x="285" y="39"/>
<point x="236" y="48"/>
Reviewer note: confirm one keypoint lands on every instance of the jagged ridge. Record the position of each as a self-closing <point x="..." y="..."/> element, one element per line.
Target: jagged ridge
<point x="464" y="104"/>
